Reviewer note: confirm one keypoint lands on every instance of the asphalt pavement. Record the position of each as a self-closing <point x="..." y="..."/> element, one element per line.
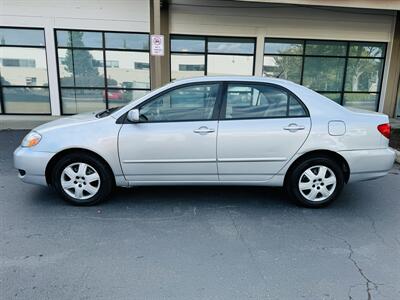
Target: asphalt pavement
<point x="197" y="242"/>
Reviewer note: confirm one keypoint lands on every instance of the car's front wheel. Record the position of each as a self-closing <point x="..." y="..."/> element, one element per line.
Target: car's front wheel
<point x="81" y="179"/>
<point x="315" y="182"/>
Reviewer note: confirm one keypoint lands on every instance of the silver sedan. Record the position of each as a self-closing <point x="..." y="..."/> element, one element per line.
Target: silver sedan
<point x="211" y="130"/>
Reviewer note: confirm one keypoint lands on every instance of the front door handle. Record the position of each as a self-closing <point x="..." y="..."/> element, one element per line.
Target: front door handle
<point x="293" y="127"/>
<point x="204" y="130"/>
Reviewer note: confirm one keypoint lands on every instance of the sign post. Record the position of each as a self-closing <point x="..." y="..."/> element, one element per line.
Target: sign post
<point x="157" y="45"/>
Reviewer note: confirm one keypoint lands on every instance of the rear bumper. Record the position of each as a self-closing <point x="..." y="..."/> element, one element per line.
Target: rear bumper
<point x="369" y="164"/>
<point x="32" y="164"/>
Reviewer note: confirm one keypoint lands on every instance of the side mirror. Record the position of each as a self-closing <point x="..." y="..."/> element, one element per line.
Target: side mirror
<point x="133" y="116"/>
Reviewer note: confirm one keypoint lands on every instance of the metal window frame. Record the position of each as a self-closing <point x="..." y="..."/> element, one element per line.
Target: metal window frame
<point x="104" y="88"/>
<point x="346" y="57"/>
<point x="2" y="106"/>
<point x="205" y="53"/>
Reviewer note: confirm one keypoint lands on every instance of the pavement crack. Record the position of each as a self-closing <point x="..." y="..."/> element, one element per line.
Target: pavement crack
<point x="369" y="284"/>
<point x="373" y="225"/>
<point x="251" y="254"/>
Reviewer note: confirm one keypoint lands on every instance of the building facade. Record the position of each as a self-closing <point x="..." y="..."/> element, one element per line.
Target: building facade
<point x="65" y="57"/>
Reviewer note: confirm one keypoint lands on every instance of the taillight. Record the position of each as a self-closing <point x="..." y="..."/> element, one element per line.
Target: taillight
<point x="384" y="129"/>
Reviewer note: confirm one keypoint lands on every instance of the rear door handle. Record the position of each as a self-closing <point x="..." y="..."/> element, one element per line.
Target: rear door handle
<point x="294" y="127"/>
<point x="204" y="130"/>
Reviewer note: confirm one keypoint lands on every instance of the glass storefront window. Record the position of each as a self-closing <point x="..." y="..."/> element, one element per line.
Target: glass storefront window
<point x="367" y="101"/>
<point x="128" y="69"/>
<point x="188" y="44"/>
<point x="362" y="49"/>
<point x="282" y="46"/>
<point x="285" y="67"/>
<point x="23" y="72"/>
<point x="94" y="74"/>
<point x="229" y="65"/>
<point x="349" y="73"/>
<point x="130" y="41"/>
<point x="231" y="45"/>
<point x="323" y="73"/>
<point x="326" y="48"/>
<point x="117" y="97"/>
<point x="26" y="100"/>
<point x="21" y="37"/>
<point x="187" y="65"/>
<point x="23" y="66"/>
<point x="193" y="56"/>
<point x="337" y="97"/>
<point x="78" y="100"/>
<point x="363" y="74"/>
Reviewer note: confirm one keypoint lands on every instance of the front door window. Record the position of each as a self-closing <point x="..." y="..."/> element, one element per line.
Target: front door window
<point x="190" y="103"/>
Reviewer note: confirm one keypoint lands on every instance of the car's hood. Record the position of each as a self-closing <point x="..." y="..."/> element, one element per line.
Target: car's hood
<point x="78" y="119"/>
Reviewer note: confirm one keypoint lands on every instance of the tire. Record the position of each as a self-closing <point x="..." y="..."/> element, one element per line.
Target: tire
<point x="82" y="179"/>
<point x="315" y="182"/>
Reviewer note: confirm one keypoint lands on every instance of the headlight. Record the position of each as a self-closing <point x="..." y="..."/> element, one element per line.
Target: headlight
<point x="31" y="139"/>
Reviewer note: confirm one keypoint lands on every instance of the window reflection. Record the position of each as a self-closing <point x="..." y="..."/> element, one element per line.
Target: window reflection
<point x="187" y="65"/>
<point x="82" y="66"/>
<point x="127" y="41"/>
<point x="26" y="100"/>
<point x="230" y="45"/>
<point x="194" y="102"/>
<point x="117" y="97"/>
<point x="87" y="39"/>
<point x="291" y="47"/>
<point x="21" y="37"/>
<point x="260" y="101"/>
<point x="229" y="65"/>
<point x="367" y="101"/>
<point x="323" y="73"/>
<point x="23" y="71"/>
<point x="187" y="44"/>
<point x="81" y="100"/>
<point x="23" y="66"/>
<point x="326" y="48"/>
<point x="321" y="68"/>
<point x="367" y="49"/>
<point x="193" y="56"/>
<point x="128" y="69"/>
<point x="285" y="67"/>
<point x="363" y="74"/>
<point x="337" y="97"/>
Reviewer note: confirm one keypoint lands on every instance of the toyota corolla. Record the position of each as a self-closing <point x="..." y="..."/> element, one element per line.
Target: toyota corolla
<point x="211" y="130"/>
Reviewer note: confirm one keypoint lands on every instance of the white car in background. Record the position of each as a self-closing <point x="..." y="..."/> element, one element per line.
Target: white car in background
<point x="211" y="130"/>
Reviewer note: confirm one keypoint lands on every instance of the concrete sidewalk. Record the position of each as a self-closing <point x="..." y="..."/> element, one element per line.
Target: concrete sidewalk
<point x="23" y="121"/>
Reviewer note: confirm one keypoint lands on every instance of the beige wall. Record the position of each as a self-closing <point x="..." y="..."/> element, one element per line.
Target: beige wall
<point x="251" y="19"/>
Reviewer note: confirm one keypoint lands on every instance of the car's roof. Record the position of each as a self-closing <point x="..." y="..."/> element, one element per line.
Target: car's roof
<point x="233" y="78"/>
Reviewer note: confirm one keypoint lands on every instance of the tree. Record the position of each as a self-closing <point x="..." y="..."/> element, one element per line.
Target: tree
<point x="81" y="64"/>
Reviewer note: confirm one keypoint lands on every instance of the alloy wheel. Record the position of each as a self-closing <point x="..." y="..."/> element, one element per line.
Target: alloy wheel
<point x="80" y="181"/>
<point x="317" y="183"/>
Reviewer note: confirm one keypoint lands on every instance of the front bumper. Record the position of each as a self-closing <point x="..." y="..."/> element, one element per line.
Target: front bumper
<point x="369" y="164"/>
<point x="32" y="164"/>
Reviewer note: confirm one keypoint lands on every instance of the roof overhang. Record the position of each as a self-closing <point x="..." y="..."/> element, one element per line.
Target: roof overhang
<point x="364" y="4"/>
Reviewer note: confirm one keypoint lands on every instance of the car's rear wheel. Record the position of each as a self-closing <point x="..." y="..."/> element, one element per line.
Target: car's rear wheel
<point x="81" y="179"/>
<point x="315" y="182"/>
